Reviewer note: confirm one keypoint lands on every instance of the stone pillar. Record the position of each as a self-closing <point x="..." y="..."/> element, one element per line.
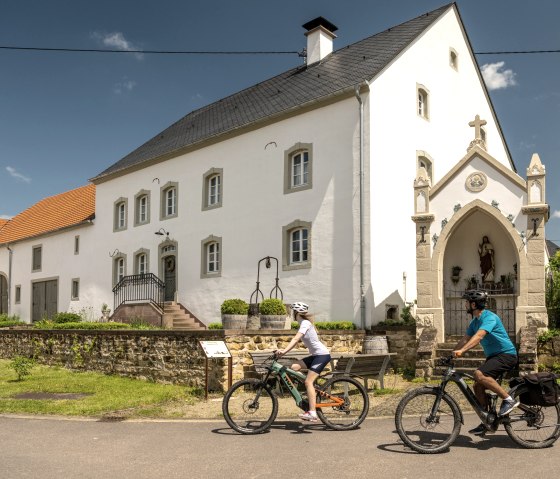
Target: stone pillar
<point x="533" y="310"/>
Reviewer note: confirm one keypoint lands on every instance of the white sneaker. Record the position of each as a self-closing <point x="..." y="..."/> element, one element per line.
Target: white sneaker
<point x="308" y="416"/>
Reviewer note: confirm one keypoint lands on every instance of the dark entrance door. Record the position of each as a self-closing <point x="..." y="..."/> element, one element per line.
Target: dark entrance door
<point x="3" y="295"/>
<point x="45" y="299"/>
<point x="170" y="277"/>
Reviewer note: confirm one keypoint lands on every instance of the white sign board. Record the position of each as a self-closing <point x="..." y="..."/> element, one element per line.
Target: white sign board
<point x="215" y="349"/>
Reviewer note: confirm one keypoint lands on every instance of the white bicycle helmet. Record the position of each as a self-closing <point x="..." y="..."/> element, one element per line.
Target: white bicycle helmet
<point x="300" y="307"/>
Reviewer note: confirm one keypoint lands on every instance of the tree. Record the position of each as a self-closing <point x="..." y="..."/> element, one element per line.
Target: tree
<point x="553" y="291"/>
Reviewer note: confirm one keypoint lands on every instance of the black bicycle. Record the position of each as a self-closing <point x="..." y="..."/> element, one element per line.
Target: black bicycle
<point x="428" y="419"/>
<point x="250" y="406"/>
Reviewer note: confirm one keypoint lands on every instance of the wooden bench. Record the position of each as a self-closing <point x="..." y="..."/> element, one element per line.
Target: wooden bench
<point x="365" y="366"/>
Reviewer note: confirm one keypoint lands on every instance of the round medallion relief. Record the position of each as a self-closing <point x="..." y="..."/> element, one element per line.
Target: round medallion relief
<point x="476" y="181"/>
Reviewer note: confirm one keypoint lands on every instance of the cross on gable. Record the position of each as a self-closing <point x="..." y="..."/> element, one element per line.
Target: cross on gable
<point x="478" y="124"/>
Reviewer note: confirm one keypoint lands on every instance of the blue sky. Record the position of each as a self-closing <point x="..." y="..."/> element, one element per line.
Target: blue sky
<point x="65" y="117"/>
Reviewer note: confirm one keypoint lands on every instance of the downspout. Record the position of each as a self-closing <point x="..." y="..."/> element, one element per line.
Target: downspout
<point x="10" y="280"/>
<point x="362" y="287"/>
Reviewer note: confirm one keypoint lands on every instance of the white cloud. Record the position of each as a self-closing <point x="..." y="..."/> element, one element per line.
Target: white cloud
<point x="116" y="41"/>
<point x="124" y="86"/>
<point x="15" y="174"/>
<point x="496" y="78"/>
<point x="555" y="214"/>
<point x="5" y="217"/>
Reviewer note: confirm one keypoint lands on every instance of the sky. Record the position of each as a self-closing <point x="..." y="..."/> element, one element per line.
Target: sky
<point x="65" y="117"/>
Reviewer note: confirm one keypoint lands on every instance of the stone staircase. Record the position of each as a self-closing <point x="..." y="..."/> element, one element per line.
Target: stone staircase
<point x="466" y="364"/>
<point x="176" y="317"/>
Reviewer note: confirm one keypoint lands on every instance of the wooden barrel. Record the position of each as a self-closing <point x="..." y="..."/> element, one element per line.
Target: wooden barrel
<point x="234" y="321"/>
<point x="375" y="345"/>
<point x="273" y="321"/>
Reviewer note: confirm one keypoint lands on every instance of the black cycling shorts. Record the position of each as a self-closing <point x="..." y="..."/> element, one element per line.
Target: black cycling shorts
<point x="498" y="364"/>
<point x="317" y="363"/>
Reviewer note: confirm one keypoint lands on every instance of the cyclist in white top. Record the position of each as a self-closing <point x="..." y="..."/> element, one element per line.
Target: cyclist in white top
<point x="314" y="363"/>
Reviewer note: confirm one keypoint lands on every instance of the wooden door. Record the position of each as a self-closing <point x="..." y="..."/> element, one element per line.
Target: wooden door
<point x="45" y="299"/>
<point x="3" y="295"/>
<point x="170" y="277"/>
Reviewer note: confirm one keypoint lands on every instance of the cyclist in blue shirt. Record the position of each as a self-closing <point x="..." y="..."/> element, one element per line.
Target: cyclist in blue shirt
<point x="487" y="329"/>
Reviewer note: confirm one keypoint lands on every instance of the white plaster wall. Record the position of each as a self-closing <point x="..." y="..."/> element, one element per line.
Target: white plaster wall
<point x="254" y="211"/>
<point x="58" y="262"/>
<point x="397" y="132"/>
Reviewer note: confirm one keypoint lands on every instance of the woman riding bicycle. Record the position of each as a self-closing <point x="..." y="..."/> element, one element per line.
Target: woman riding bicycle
<point x="316" y="362"/>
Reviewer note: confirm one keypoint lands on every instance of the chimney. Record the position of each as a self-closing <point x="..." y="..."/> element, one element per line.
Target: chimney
<point x="320" y="35"/>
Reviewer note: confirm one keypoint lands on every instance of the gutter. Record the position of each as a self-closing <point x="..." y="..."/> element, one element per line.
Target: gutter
<point x="362" y="288"/>
<point x="10" y="279"/>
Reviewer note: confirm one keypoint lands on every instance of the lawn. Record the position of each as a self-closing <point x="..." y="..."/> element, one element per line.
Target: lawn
<point x="108" y="396"/>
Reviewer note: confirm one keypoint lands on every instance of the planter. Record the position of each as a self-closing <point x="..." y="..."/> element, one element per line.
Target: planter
<point x="273" y="321"/>
<point x="234" y="321"/>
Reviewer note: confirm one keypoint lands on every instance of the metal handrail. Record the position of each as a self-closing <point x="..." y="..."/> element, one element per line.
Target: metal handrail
<point x="146" y="287"/>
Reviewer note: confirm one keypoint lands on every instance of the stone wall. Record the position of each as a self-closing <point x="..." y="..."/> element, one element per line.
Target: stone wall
<point x="402" y="341"/>
<point x="162" y="356"/>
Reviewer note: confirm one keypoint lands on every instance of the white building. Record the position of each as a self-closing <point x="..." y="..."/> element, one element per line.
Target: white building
<point x="276" y="169"/>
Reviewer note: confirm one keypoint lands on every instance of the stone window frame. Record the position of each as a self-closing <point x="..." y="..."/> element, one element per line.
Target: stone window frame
<point x="34" y="248"/>
<point x="73" y="296"/>
<point x="204" y="244"/>
<point x="137" y="254"/>
<point x="423" y="93"/>
<point x="17" y="294"/>
<point x="116" y="259"/>
<point x="77" y="244"/>
<point x="392" y="307"/>
<point x="422" y="155"/>
<point x="453" y="59"/>
<point x="137" y="198"/>
<point x="206" y="178"/>
<point x="163" y="215"/>
<point x="289" y="155"/>
<point x="122" y="201"/>
<point x="287" y="232"/>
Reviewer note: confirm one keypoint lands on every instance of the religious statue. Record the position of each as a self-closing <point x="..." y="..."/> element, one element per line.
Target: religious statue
<point x="486" y="253"/>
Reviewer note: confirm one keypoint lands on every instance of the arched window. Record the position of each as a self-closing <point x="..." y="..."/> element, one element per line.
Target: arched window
<point x="212" y="189"/>
<point x="141" y="263"/>
<point x="426" y="163"/>
<point x="299" y="245"/>
<point x="142" y="208"/>
<point x="298" y="167"/>
<point x="422" y="105"/>
<point x="119" y="268"/>
<point x="296" y="250"/>
<point x="453" y="59"/>
<point x="211" y="257"/>
<point x="120" y="215"/>
<point x="169" y="200"/>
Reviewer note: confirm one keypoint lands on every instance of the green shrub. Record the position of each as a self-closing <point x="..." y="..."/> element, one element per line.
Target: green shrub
<point x="346" y="325"/>
<point x="80" y="325"/>
<point x="139" y="323"/>
<point x="295" y="325"/>
<point x="61" y="318"/>
<point x="22" y="366"/>
<point x="234" y="306"/>
<point x="272" y="306"/>
<point x="547" y="335"/>
<point x="215" y="326"/>
<point x="10" y="322"/>
<point x="4" y="318"/>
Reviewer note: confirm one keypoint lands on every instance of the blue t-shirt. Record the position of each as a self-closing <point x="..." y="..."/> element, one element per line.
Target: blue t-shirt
<point x="496" y="340"/>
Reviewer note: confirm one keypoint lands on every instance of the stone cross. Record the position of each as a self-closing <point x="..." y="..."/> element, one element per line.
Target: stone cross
<point x="478" y="124"/>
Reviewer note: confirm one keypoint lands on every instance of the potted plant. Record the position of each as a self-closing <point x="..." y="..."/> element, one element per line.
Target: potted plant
<point x="273" y="314"/>
<point x="455" y="273"/>
<point x="234" y="313"/>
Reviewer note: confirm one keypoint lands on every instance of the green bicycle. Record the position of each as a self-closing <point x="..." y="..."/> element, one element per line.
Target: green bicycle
<point x="250" y="406"/>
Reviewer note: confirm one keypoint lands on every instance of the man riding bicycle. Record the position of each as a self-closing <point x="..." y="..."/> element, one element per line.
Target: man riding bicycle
<point x="487" y="329"/>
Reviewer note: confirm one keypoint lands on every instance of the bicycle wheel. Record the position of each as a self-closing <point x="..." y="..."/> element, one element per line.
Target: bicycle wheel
<point x="250" y="406"/>
<point x="418" y="430"/>
<point x="533" y="427"/>
<point x="354" y="410"/>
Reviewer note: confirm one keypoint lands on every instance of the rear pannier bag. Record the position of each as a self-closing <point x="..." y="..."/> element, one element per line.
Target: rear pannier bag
<point x="542" y="389"/>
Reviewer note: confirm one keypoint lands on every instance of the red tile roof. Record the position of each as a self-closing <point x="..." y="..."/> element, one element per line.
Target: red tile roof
<point x="51" y="214"/>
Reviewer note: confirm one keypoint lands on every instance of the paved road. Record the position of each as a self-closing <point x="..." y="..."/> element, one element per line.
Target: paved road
<point x="49" y="449"/>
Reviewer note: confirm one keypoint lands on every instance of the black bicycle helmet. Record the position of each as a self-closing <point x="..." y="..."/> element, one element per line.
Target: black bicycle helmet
<point x="476" y="296"/>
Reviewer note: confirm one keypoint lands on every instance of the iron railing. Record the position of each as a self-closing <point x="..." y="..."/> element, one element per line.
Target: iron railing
<point x="501" y="301"/>
<point x="139" y="288"/>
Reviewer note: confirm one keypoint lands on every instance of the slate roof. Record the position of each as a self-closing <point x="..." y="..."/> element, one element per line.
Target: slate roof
<point x="341" y="70"/>
<point x="552" y="248"/>
<point x="51" y="214"/>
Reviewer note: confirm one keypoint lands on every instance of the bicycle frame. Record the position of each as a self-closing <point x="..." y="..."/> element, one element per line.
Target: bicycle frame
<point x="288" y="376"/>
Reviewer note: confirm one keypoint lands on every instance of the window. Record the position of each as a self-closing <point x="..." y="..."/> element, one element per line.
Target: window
<point x="212" y="191"/>
<point x="75" y="289"/>
<point x="211" y="257"/>
<point x="18" y="294"/>
<point x="453" y="59"/>
<point x="422" y="96"/>
<point x="76" y="245"/>
<point x="142" y="208"/>
<point x="37" y="258"/>
<point x="298" y="168"/>
<point x="169" y="200"/>
<point x="141" y="261"/>
<point x="119" y="268"/>
<point x="120" y="221"/>
<point x="425" y="161"/>
<point x="296" y="250"/>
<point x="391" y="311"/>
